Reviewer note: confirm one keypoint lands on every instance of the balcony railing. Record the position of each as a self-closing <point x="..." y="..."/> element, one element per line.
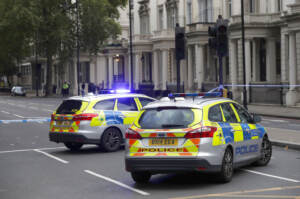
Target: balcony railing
<point x="257" y="18"/>
<point x="164" y="33"/>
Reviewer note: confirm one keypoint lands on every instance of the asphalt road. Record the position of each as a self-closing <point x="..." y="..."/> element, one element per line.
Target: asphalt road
<point x="31" y="167"/>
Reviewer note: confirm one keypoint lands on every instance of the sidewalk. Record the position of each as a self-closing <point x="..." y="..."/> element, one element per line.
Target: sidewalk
<point x="275" y="111"/>
<point x="280" y="137"/>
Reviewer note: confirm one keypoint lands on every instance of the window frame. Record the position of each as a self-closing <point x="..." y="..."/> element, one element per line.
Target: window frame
<point x="238" y="115"/>
<point x="114" y="105"/>
<point x="233" y="112"/>
<point x="139" y="98"/>
<point x="208" y="114"/>
<point x="135" y="102"/>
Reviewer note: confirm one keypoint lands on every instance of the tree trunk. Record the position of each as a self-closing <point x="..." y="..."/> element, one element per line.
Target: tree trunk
<point x="49" y="74"/>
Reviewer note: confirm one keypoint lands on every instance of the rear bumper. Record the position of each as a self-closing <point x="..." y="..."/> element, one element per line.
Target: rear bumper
<point x="71" y="137"/>
<point x="169" y="165"/>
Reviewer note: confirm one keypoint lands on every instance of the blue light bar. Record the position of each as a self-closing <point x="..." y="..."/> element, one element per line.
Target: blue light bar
<point x="203" y="94"/>
<point x="120" y="91"/>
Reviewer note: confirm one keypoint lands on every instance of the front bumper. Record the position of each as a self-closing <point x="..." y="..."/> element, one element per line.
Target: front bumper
<point x="169" y="165"/>
<point x="71" y="137"/>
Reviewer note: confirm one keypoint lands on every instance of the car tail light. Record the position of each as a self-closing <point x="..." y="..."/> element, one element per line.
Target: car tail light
<point x="52" y="117"/>
<point x="202" y="132"/>
<point x="84" y="116"/>
<point x="131" y="134"/>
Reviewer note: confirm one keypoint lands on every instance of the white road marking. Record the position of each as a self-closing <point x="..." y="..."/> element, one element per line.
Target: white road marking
<point x="275" y="120"/>
<point x="51" y="156"/>
<point x="23" y="150"/>
<point x="272" y="176"/>
<point x="5" y="112"/>
<point x="47" y="110"/>
<point x="18" y="116"/>
<point x="117" y="183"/>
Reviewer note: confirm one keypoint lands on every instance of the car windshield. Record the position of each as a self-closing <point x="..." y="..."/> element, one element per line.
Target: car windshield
<point x="69" y="107"/>
<point x="166" y="118"/>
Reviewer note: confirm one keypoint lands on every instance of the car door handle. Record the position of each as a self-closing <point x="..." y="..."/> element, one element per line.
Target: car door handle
<point x="232" y="130"/>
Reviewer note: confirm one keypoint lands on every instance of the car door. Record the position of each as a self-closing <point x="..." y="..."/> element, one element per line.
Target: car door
<point x="128" y="109"/>
<point x="105" y="109"/>
<point x="232" y="122"/>
<point x="250" y="131"/>
<point x="144" y="101"/>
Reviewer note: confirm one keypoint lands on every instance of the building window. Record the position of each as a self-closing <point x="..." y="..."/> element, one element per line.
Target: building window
<point x="252" y="6"/>
<point x="172" y="14"/>
<point x="160" y="18"/>
<point x="229" y="8"/>
<point x="144" y="17"/>
<point x="189" y="12"/>
<point x="144" y="24"/>
<point x="279" y="5"/>
<point x="205" y="11"/>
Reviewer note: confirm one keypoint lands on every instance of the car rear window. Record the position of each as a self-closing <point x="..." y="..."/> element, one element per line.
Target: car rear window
<point x="166" y="118"/>
<point x="69" y="107"/>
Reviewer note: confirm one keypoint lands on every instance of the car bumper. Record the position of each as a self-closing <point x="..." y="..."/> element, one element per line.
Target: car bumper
<point x="71" y="137"/>
<point x="169" y="165"/>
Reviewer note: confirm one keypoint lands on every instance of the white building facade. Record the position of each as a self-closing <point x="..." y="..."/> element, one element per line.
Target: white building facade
<point x="272" y="49"/>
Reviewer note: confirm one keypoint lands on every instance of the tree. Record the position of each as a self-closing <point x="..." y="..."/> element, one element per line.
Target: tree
<point x="16" y="22"/>
<point x="51" y="25"/>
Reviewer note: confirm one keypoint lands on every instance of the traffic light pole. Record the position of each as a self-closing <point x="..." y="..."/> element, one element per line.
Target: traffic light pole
<point x="178" y="75"/>
<point x="220" y="71"/>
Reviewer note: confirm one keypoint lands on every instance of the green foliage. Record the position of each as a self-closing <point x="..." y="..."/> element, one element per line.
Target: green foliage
<point x="50" y="27"/>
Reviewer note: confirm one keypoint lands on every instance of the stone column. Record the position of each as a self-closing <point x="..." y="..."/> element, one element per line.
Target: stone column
<point x="110" y="71"/>
<point x="75" y="79"/>
<point x="137" y="71"/>
<point x="92" y="71"/>
<point x="164" y="69"/>
<point x="233" y="66"/>
<point x="248" y="65"/>
<point x="291" y="97"/>
<point x="200" y="65"/>
<point x="155" y="70"/>
<point x="190" y="78"/>
<point x="271" y="60"/>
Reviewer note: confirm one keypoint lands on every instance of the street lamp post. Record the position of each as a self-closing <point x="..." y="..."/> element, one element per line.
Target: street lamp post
<point x="243" y="50"/>
<point x="130" y="45"/>
<point x="78" y="46"/>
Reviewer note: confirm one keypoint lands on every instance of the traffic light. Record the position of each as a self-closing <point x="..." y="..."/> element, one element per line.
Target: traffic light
<point x="179" y="42"/>
<point x="219" y="37"/>
<point x="212" y="32"/>
<point x="222" y="37"/>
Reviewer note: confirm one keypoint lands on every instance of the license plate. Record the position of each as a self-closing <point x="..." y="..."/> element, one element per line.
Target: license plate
<point x="63" y="123"/>
<point x="163" y="141"/>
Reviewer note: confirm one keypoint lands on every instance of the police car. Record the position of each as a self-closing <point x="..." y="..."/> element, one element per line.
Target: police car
<point x="101" y="120"/>
<point x="205" y="135"/>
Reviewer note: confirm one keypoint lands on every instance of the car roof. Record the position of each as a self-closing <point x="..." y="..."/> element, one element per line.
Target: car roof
<point x="198" y="103"/>
<point x="107" y="96"/>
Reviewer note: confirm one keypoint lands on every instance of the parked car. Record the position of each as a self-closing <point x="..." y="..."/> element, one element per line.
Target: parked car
<point x="95" y="119"/>
<point x="18" y="90"/>
<point x="203" y="135"/>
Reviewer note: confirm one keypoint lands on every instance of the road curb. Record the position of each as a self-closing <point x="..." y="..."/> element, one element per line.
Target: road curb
<point x="290" y="145"/>
<point x="279" y="116"/>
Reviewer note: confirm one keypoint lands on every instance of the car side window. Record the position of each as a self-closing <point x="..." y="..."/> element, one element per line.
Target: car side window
<point x="145" y="101"/>
<point x="228" y="113"/>
<point x="215" y="114"/>
<point x="105" y="105"/>
<point x="243" y="114"/>
<point x="127" y="104"/>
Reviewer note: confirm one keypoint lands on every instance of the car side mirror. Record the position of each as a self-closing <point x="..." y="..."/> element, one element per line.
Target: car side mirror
<point x="256" y="118"/>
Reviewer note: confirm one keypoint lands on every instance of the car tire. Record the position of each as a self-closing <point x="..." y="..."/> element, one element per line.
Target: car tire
<point x="111" y="140"/>
<point x="141" y="177"/>
<point x="73" y="146"/>
<point x="227" y="167"/>
<point x="266" y="152"/>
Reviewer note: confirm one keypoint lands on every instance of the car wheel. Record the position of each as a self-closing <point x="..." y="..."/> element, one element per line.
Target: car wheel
<point x="111" y="140"/>
<point x="141" y="177"/>
<point x="266" y="152"/>
<point x="73" y="146"/>
<point x="227" y="166"/>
